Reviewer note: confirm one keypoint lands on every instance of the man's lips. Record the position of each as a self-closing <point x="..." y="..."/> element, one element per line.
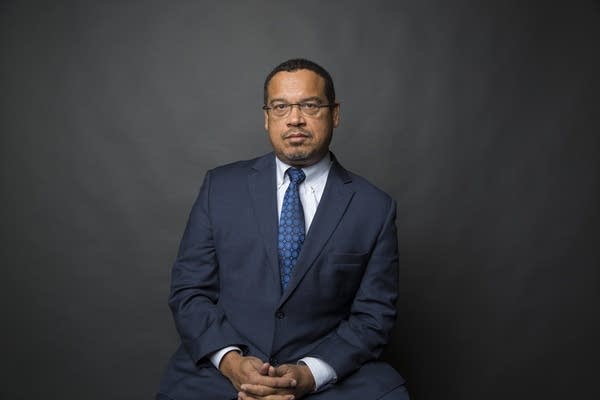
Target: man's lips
<point x="296" y="139"/>
<point x="296" y="135"/>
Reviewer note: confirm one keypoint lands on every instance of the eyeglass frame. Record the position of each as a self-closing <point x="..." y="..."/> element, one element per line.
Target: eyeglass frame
<point x="291" y="105"/>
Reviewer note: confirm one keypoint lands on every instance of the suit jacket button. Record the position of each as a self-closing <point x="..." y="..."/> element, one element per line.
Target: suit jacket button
<point x="273" y="361"/>
<point x="280" y="314"/>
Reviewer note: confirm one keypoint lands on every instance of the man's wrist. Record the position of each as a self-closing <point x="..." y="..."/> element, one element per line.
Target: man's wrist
<point x="217" y="356"/>
<point x="322" y="373"/>
<point x="228" y="361"/>
<point x="308" y="378"/>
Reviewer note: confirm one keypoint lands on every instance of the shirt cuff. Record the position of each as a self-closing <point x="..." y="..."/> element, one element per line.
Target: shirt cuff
<point x="217" y="356"/>
<point x="322" y="372"/>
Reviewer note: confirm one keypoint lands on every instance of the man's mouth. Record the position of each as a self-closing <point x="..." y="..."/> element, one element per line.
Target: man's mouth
<point x="296" y="135"/>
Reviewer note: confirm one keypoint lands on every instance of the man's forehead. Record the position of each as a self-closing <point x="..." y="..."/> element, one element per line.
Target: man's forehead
<point x="301" y="82"/>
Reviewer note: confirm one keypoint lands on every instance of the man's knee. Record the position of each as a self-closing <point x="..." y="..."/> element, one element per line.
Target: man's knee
<point x="400" y="393"/>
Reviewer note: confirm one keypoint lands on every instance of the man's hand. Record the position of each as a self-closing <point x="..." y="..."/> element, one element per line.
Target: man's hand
<point x="252" y="372"/>
<point x="300" y="374"/>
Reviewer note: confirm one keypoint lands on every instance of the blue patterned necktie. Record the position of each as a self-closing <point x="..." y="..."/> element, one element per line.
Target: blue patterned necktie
<point x="291" y="226"/>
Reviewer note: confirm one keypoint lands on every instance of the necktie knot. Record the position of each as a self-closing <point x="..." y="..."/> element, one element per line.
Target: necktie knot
<point x="296" y="175"/>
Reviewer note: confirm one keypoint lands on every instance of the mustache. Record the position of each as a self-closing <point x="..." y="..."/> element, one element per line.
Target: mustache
<point x="296" y="131"/>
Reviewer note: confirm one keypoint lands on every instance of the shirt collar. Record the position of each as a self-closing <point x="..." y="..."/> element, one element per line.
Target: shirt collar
<point x="312" y="173"/>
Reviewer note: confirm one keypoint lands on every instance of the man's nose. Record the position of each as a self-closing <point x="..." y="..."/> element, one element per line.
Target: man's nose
<point x="296" y="117"/>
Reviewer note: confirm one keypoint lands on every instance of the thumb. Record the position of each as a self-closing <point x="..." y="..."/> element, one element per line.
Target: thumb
<point x="264" y="369"/>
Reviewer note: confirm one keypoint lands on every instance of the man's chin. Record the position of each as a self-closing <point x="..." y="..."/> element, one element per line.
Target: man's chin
<point x="299" y="158"/>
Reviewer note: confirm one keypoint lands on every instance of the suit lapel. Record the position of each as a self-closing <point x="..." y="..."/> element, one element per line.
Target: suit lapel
<point x="333" y="205"/>
<point x="262" y="186"/>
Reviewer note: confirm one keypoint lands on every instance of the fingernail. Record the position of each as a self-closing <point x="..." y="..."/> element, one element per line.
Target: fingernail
<point x="243" y="387"/>
<point x="293" y="384"/>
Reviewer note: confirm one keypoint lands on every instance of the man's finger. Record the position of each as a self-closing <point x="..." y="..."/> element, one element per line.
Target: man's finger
<point x="246" y="396"/>
<point x="264" y="369"/>
<point x="272" y="381"/>
<point x="262" y="391"/>
<point x="282" y="370"/>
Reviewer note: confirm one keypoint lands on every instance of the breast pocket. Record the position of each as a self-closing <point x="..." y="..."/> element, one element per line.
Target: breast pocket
<point x="348" y="258"/>
<point x="341" y="276"/>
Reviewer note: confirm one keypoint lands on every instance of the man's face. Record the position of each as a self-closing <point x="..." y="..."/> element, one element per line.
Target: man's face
<point x="297" y="139"/>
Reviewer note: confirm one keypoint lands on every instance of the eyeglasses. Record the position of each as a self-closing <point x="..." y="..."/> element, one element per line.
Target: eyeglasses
<point x="306" y="108"/>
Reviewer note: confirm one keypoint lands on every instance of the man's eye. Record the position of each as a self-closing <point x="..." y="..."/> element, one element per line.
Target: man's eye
<point x="279" y="107"/>
<point x="309" y="106"/>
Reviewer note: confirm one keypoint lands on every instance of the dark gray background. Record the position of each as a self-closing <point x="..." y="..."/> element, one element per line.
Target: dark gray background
<point x="479" y="118"/>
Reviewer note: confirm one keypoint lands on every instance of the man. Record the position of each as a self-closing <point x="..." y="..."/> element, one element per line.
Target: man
<point x="286" y="279"/>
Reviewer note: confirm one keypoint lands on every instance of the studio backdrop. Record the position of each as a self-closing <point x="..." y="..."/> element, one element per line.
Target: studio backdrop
<point x="481" y="119"/>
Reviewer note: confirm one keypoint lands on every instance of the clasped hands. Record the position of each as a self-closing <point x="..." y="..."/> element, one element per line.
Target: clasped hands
<point x="258" y="380"/>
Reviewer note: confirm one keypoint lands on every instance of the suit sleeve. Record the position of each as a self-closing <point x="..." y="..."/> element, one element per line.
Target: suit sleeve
<point x="200" y="322"/>
<point x="361" y="337"/>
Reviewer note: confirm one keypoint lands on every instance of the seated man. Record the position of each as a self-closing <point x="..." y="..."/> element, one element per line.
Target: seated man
<point x="286" y="278"/>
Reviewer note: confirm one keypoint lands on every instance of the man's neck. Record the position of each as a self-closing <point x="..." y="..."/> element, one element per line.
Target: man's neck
<point x="313" y="170"/>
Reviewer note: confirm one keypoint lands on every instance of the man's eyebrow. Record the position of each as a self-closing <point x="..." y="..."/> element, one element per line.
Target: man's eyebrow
<point x="276" y="100"/>
<point x="313" y="98"/>
<point x="304" y="100"/>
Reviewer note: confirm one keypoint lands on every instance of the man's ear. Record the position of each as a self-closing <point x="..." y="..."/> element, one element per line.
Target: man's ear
<point x="336" y="115"/>
<point x="266" y="120"/>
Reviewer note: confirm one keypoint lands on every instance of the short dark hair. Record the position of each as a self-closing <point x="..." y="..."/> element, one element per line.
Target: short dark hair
<point x="300" y="63"/>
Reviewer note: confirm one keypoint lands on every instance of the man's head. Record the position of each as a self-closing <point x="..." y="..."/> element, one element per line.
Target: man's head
<point x="300" y="63"/>
<point x="300" y="134"/>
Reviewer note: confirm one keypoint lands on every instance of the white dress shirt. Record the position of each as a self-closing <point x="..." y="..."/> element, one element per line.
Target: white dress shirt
<point x="310" y="190"/>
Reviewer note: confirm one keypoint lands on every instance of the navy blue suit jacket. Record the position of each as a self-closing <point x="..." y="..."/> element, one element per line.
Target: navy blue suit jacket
<point x="339" y="305"/>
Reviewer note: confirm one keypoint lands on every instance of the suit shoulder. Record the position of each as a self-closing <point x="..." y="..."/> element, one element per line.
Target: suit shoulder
<point x="364" y="186"/>
<point x="236" y="168"/>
